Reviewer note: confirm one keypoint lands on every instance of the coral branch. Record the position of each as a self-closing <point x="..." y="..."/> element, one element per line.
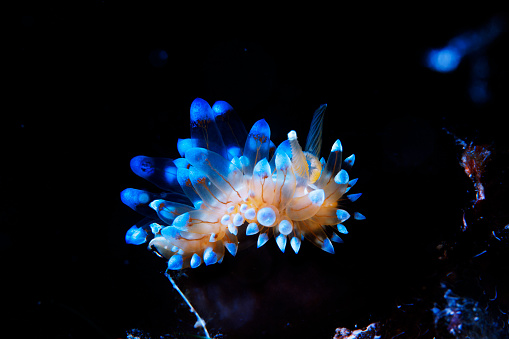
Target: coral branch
<point x="200" y="321"/>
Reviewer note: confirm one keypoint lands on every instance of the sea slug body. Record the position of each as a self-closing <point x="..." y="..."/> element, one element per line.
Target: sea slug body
<point x="227" y="179"/>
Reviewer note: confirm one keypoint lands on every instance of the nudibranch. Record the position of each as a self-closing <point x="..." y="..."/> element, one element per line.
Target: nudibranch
<point x="227" y="178"/>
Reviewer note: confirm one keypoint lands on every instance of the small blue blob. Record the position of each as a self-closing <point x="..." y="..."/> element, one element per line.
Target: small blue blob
<point x="479" y="92"/>
<point x="183" y="145"/>
<point x="133" y="197"/>
<point x="158" y="57"/>
<point x="444" y="60"/>
<point x="136" y="236"/>
<point x="155" y="228"/>
<point x="163" y="55"/>
<point x="354" y="197"/>
<point x="358" y="216"/>
<point x="349" y="160"/>
<point x="342" y="229"/>
<point x="142" y="166"/>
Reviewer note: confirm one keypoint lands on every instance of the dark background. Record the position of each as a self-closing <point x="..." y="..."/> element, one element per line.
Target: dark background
<point x="90" y="91"/>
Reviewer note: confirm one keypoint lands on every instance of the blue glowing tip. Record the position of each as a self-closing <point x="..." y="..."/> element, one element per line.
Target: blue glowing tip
<point x="221" y="107"/>
<point x="354" y="197"/>
<point x="232" y="248"/>
<point x="358" y="216"/>
<point x="142" y="166"/>
<point x="342" y="215"/>
<point x="200" y="111"/>
<point x="295" y="243"/>
<point x="176" y="262"/>
<point x="336" y="238"/>
<point x="262" y="239"/>
<point x="136" y="236"/>
<point x="342" y="229"/>
<point x="195" y="260"/>
<point x="342" y="177"/>
<point x="260" y="130"/>
<point x="209" y="257"/>
<point x="281" y="242"/>
<point x="353" y="182"/>
<point x="252" y="228"/>
<point x="183" y="145"/>
<point x="133" y="197"/>
<point x="327" y="246"/>
<point x="443" y="60"/>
